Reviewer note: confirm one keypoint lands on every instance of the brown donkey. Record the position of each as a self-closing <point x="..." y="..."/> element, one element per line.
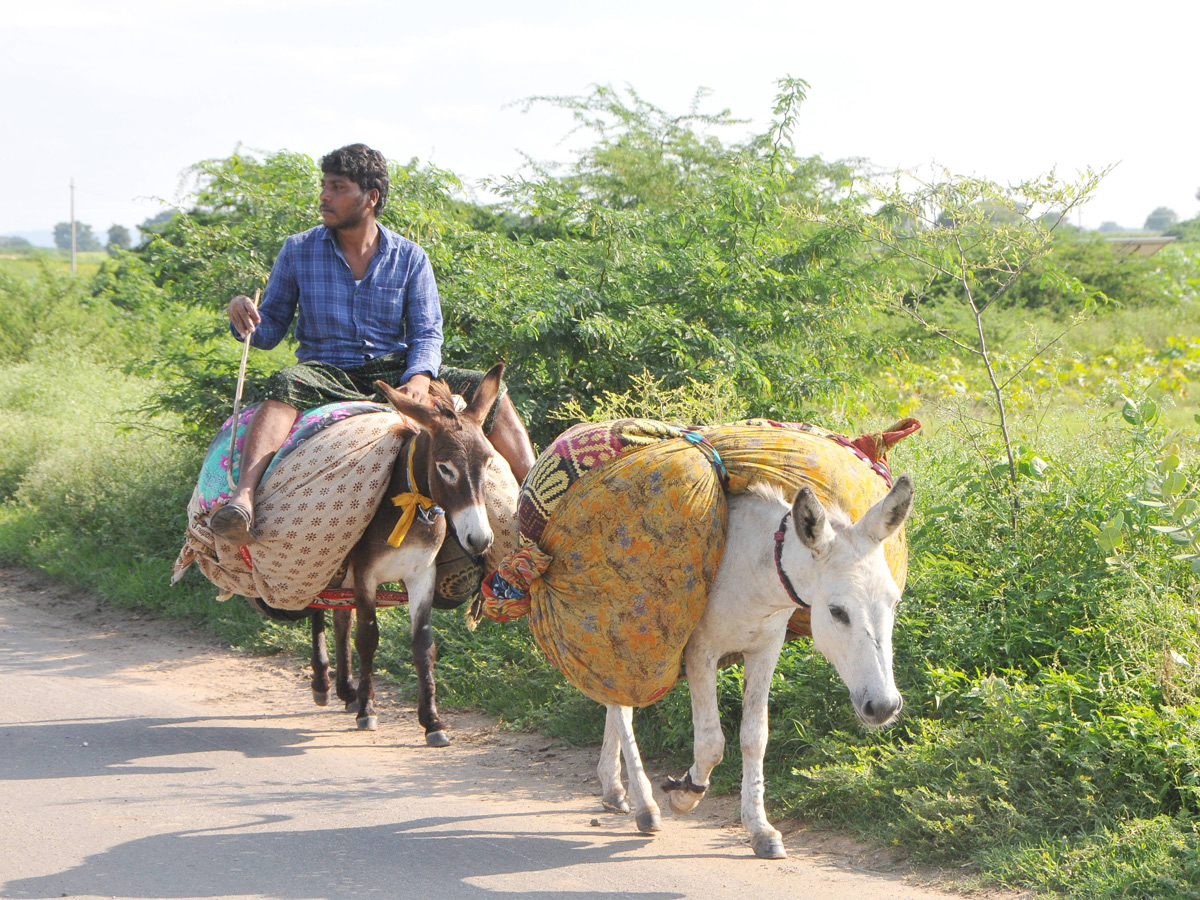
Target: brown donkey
<point x="446" y="463"/>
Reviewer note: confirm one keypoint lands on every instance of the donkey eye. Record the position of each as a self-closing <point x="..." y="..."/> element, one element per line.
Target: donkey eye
<point x="839" y="615"/>
<point x="448" y="472"/>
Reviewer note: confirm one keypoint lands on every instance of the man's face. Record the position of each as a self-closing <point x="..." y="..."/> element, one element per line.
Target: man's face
<point x="343" y="203"/>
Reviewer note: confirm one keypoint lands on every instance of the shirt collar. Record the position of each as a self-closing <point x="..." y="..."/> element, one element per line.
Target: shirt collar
<point x="387" y="237"/>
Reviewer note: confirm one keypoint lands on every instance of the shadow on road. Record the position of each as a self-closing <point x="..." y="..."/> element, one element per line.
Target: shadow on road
<point x="90" y="747"/>
<point x="423" y="858"/>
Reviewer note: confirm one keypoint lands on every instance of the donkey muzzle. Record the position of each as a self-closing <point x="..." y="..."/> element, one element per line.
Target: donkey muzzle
<point x="877" y="712"/>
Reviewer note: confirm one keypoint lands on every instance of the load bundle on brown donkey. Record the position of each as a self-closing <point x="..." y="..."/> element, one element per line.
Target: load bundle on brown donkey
<point x="623" y="569"/>
<point x="324" y="533"/>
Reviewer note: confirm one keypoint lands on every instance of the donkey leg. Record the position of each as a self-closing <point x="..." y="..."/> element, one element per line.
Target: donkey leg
<point x="608" y="770"/>
<point x="511" y="440"/>
<point x="760" y="666"/>
<point x="420" y="610"/>
<point x="646" y="809"/>
<point x="345" y="660"/>
<point x="320" y="659"/>
<point x="708" y="739"/>
<point x="366" y="641"/>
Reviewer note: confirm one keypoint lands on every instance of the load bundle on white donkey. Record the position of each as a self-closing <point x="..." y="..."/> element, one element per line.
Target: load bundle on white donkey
<point x="622" y="529"/>
<point x="635" y="557"/>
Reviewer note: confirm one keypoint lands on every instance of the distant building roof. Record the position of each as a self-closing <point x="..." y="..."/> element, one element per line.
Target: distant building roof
<point x="1138" y="246"/>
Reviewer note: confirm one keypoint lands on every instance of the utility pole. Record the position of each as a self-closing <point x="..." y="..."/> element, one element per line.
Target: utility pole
<point x="72" y="226"/>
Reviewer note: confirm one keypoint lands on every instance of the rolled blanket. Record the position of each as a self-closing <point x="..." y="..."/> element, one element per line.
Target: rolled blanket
<point x="312" y="505"/>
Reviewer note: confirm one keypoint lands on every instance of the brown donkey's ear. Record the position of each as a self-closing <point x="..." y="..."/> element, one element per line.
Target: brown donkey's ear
<point x="426" y="417"/>
<point x="485" y="395"/>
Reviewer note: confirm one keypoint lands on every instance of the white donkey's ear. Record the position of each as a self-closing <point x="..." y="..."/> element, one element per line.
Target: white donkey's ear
<point x="885" y="517"/>
<point x="811" y="522"/>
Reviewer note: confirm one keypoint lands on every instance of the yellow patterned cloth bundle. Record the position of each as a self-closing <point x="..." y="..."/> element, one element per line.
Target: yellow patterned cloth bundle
<point x="623" y="525"/>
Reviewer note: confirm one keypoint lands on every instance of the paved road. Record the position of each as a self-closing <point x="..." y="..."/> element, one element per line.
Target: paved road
<point x="138" y="761"/>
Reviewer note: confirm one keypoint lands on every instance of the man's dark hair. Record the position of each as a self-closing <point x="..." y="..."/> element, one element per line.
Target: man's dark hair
<point x="365" y="167"/>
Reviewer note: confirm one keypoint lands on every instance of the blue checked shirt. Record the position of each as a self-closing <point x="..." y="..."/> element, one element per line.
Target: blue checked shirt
<point x="394" y="308"/>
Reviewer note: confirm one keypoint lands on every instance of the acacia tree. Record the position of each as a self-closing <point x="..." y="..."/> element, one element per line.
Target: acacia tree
<point x="663" y="249"/>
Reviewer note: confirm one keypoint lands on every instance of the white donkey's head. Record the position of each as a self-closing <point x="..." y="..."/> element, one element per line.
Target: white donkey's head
<point x="852" y="592"/>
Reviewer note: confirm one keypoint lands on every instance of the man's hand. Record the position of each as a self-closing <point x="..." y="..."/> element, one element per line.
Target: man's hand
<point x="243" y="315"/>
<point x="417" y="388"/>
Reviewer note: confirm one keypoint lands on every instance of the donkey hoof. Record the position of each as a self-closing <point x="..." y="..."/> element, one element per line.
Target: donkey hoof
<point x="321" y="698"/>
<point x="368" y="723"/>
<point x="649" y="821"/>
<point x="768" y="846"/>
<point x="682" y="802"/>
<point x="352" y="706"/>
<point x="615" y="804"/>
<point x="437" y="739"/>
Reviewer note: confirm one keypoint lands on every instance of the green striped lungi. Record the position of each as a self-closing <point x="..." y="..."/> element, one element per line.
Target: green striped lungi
<point x="310" y="384"/>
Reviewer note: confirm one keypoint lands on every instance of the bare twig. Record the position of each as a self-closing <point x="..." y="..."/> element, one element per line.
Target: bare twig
<point x="997" y="391"/>
<point x="1037" y="354"/>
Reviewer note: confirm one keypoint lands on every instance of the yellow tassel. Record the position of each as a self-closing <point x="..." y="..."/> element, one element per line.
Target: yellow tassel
<point x="408" y="504"/>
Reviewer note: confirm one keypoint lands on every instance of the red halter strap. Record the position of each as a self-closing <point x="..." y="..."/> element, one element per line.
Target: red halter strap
<point x="783" y="577"/>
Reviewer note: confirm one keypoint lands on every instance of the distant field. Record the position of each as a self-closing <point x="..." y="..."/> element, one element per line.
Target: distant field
<point x="28" y="265"/>
<point x="1150" y="349"/>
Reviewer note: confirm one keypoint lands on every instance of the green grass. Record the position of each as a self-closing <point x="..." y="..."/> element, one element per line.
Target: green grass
<point x="1090" y="365"/>
<point x="1050" y="739"/>
<point x="30" y="264"/>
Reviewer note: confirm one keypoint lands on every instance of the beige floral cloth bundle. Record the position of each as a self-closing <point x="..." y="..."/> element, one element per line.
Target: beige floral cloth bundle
<point x="309" y="511"/>
<point x="316" y="503"/>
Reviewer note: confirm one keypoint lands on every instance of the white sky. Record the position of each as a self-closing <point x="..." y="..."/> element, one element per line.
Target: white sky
<point x="124" y="95"/>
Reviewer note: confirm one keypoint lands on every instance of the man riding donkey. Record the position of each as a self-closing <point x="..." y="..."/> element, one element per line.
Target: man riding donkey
<point x="368" y="309"/>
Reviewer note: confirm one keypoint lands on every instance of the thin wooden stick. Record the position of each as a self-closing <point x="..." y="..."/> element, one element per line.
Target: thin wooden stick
<point x="237" y="399"/>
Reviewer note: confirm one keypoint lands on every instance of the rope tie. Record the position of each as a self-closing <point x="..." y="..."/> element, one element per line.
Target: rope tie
<point x="410" y="502"/>
<point x="506" y="591"/>
<point x="705" y="446"/>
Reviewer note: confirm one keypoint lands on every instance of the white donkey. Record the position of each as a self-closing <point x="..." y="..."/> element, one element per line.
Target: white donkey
<point x="769" y="566"/>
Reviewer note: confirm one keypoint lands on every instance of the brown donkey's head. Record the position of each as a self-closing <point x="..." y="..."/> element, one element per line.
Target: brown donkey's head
<point x="456" y="454"/>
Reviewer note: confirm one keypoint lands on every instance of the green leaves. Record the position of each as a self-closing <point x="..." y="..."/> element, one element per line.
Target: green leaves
<point x="664" y="250"/>
<point x="1142" y="415"/>
<point x="1169" y="492"/>
<point x="1110" y="535"/>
